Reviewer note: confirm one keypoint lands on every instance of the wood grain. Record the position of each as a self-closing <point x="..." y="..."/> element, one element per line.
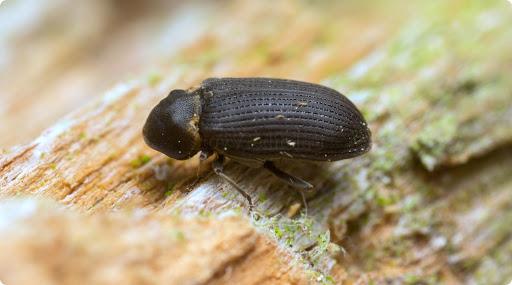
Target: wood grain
<point x="430" y="202"/>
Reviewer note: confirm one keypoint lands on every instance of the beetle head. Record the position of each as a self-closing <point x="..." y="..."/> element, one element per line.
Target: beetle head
<point x="172" y="126"/>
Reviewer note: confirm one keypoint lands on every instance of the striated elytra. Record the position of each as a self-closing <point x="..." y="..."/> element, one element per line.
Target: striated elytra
<point x="256" y="121"/>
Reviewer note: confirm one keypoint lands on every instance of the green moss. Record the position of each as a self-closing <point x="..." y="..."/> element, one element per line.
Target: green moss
<point x="416" y="223"/>
<point x="323" y="241"/>
<point x="262" y="197"/>
<point x="420" y="278"/>
<point x="170" y="189"/>
<point x="494" y="268"/>
<point x="288" y="231"/>
<point x="278" y="232"/>
<point x="205" y="213"/>
<point x="385" y="160"/>
<point x="140" y="161"/>
<point x="411" y="202"/>
<point x="82" y="136"/>
<point x="330" y="280"/>
<point x="229" y="195"/>
<point x="320" y="278"/>
<point x="389" y="151"/>
<point x="386" y="199"/>
<point x="432" y="142"/>
<point x="410" y="278"/>
<point x="397" y="248"/>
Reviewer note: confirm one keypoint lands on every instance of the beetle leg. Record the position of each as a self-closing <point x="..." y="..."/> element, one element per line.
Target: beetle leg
<point x="303" y="196"/>
<point x="204" y="154"/>
<point x="218" y="167"/>
<point x="287" y="178"/>
<point x="290" y="180"/>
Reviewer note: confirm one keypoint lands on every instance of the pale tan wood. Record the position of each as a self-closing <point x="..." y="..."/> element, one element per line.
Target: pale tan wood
<point x="51" y="245"/>
<point x="429" y="203"/>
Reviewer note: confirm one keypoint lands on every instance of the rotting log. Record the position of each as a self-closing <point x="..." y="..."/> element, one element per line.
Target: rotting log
<point x="432" y="202"/>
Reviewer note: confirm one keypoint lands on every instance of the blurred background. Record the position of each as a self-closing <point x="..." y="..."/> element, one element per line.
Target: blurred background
<point x="56" y="56"/>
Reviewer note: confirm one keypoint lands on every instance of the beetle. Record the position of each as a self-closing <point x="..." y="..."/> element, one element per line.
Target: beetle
<point x="257" y="121"/>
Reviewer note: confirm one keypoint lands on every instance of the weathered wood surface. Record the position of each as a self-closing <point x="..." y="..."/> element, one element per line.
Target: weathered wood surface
<point x="431" y="202"/>
<point x="136" y="248"/>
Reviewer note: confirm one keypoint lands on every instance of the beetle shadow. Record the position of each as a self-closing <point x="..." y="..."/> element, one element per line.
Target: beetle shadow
<point x="273" y="196"/>
<point x="164" y="176"/>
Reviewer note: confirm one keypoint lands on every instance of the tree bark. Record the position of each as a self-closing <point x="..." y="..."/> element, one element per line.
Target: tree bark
<point x="430" y="203"/>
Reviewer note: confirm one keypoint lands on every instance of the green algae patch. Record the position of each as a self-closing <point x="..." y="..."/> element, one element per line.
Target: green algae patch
<point x="169" y="189"/>
<point x="433" y="141"/>
<point x="140" y="161"/>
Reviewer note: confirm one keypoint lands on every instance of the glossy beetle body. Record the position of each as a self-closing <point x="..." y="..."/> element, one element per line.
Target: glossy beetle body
<point x="256" y="121"/>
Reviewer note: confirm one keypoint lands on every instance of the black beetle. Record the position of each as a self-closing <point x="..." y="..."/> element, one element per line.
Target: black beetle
<point x="256" y="121"/>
